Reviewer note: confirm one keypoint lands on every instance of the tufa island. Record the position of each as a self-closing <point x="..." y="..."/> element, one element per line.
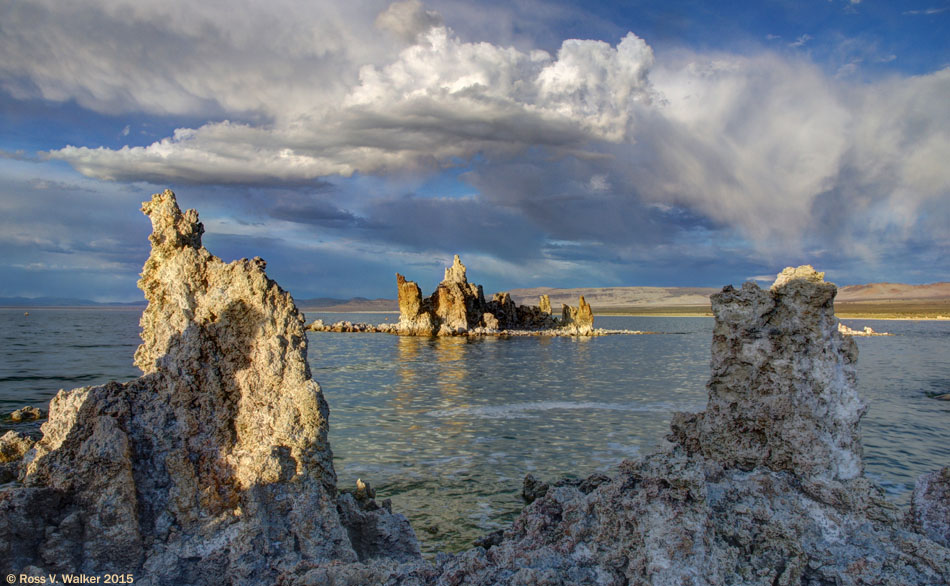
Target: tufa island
<point x="214" y="466"/>
<point x="458" y="308"/>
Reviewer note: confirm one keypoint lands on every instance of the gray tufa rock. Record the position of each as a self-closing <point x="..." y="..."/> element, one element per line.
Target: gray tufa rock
<point x="782" y="391"/>
<point x="930" y="506"/>
<point x="214" y="467"/>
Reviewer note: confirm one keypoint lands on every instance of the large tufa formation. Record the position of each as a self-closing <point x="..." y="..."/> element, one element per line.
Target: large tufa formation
<point x="782" y="389"/>
<point x="459" y="307"/>
<point x="214" y="466"/>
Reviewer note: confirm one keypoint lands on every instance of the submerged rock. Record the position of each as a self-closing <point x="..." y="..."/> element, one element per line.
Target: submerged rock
<point x="867" y="331"/>
<point x="26" y="414"/>
<point x="214" y="467"/>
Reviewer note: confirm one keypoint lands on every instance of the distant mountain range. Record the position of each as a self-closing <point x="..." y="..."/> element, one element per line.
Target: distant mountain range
<point x="62" y="302"/>
<point x="599" y="297"/>
<point x="353" y="305"/>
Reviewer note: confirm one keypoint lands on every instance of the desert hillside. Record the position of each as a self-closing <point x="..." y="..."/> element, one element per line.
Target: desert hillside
<point x="893" y="292"/>
<point x="607" y="297"/>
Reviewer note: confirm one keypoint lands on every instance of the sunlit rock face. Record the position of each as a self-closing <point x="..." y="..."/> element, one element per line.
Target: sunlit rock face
<point x="579" y="319"/>
<point x="214" y="466"/>
<point x="544" y="304"/>
<point x="414" y="316"/>
<point x="459" y="307"/>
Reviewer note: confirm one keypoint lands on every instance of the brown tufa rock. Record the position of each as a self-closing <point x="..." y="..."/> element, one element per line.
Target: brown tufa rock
<point x="26" y="414"/>
<point x="544" y="304"/>
<point x="13" y="446"/>
<point x="580" y="319"/>
<point x="456" y="304"/>
<point x="459" y="307"/>
<point x="213" y="467"/>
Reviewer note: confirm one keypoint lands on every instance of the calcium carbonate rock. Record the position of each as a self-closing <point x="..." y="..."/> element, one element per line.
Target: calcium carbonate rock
<point x="579" y="319"/>
<point x="26" y="414"/>
<point x="930" y="506"/>
<point x="414" y="317"/>
<point x="544" y="304"/>
<point x="13" y="446"/>
<point x="214" y="467"/>
<point x="458" y="307"/>
<point x="782" y="391"/>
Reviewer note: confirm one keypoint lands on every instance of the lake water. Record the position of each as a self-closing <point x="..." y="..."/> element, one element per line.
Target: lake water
<point x="448" y="427"/>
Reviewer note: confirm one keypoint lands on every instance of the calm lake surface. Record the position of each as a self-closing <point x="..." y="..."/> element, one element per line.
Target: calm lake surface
<point x="448" y="427"/>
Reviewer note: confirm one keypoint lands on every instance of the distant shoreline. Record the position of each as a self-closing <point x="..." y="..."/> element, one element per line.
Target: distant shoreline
<point x="47" y="307"/>
<point x="907" y="310"/>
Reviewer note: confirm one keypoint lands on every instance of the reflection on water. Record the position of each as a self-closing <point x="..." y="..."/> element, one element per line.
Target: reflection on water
<point x="450" y="434"/>
<point x="447" y="427"/>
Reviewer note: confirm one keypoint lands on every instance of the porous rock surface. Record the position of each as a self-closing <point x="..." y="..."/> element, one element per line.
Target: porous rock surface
<point x="930" y="506"/>
<point x="26" y="414"/>
<point x="13" y="446"/>
<point x="214" y="466"/>
<point x="458" y="307"/>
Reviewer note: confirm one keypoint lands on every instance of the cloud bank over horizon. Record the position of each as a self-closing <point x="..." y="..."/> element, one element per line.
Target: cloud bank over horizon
<point x="377" y="135"/>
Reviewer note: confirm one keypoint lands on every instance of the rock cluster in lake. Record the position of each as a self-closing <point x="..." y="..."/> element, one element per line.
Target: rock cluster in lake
<point x="867" y="331"/>
<point x="214" y="466"/>
<point x="459" y="307"/>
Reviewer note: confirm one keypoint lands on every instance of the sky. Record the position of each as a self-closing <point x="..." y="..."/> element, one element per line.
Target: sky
<point x="548" y="142"/>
